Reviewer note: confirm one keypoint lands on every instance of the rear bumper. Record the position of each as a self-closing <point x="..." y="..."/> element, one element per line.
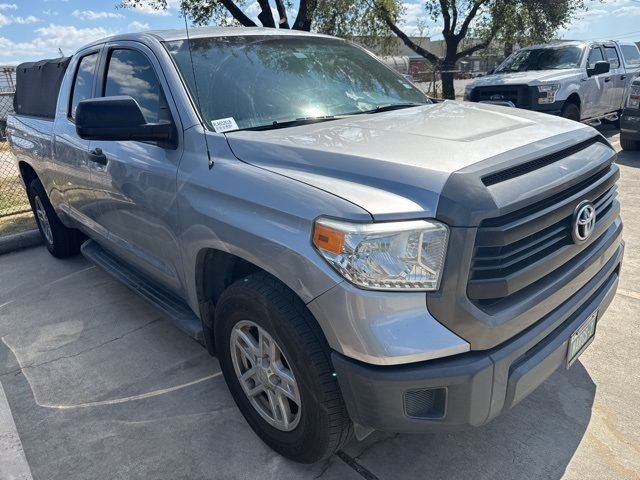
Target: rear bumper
<point x="472" y="388"/>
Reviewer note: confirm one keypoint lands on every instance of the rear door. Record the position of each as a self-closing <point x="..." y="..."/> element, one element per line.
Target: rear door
<point x="617" y="75"/>
<point x="72" y="182"/>
<point x="594" y="98"/>
<point x="138" y="195"/>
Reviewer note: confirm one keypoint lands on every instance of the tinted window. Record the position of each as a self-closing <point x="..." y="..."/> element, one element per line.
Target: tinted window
<point x="259" y="80"/>
<point x="130" y="73"/>
<point x="612" y="57"/>
<point x="631" y="54"/>
<point x="83" y="84"/>
<point x="595" y="56"/>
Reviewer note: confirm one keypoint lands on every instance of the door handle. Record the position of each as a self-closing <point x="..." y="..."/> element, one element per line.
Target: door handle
<point x="97" y="156"/>
<point x="608" y="79"/>
<point x="622" y="77"/>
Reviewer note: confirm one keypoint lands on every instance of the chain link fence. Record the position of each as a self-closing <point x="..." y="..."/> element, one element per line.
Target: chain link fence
<point x="13" y="199"/>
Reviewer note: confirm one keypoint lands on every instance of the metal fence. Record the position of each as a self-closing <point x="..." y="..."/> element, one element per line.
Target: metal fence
<point x="13" y="198"/>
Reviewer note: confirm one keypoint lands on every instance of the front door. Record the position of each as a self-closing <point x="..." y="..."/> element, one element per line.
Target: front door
<point x="594" y="102"/>
<point x="138" y="192"/>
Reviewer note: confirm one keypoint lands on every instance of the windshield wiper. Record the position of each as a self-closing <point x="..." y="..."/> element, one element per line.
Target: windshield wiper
<point x="393" y="106"/>
<point x="292" y="123"/>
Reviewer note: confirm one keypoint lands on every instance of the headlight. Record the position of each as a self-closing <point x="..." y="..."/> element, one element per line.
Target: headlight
<point x="634" y="97"/>
<point x="548" y="93"/>
<point x="385" y="256"/>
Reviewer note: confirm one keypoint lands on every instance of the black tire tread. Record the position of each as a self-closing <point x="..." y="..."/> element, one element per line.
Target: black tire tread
<point x="629" y="145"/>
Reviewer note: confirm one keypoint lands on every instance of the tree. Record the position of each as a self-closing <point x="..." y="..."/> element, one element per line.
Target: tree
<point x="328" y="16"/>
<point x="471" y="25"/>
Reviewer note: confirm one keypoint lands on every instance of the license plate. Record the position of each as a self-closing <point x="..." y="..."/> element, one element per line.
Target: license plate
<point x="581" y="338"/>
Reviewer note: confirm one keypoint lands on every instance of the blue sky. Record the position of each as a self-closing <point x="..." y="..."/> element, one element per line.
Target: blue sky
<point x="35" y="29"/>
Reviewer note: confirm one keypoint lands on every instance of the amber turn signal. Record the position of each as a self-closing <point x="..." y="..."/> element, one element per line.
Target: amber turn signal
<point x="328" y="239"/>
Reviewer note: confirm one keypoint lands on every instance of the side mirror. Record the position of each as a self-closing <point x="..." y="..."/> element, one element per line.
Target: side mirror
<point x="118" y="118"/>
<point x="599" y="68"/>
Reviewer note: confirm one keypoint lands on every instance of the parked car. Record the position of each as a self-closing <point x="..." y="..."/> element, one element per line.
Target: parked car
<point x="358" y="257"/>
<point x="630" y="121"/>
<point x="582" y="81"/>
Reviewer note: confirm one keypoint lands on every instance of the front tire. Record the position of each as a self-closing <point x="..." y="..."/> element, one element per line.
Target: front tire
<point x="277" y="364"/>
<point x="570" y="111"/>
<point x="629" y="145"/>
<point x="62" y="242"/>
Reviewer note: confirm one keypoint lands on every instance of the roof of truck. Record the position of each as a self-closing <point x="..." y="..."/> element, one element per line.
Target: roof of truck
<point x="202" y="32"/>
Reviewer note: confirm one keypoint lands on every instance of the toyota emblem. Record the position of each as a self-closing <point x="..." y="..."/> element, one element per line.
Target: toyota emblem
<point x="584" y="221"/>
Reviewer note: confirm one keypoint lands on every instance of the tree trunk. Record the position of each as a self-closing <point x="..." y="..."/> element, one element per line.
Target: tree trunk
<point x="508" y="49"/>
<point x="447" y="76"/>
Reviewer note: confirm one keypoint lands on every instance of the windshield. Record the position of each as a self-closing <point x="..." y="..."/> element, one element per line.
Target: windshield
<point x="253" y="81"/>
<point x="549" y="58"/>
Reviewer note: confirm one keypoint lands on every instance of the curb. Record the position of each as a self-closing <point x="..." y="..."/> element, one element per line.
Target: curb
<point x="20" y="241"/>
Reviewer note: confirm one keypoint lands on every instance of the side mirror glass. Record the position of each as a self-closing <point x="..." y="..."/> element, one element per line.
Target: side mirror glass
<point x="119" y="118"/>
<point x="599" y="68"/>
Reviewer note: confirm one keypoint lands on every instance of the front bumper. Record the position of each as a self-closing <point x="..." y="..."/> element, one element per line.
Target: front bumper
<point x="472" y="388"/>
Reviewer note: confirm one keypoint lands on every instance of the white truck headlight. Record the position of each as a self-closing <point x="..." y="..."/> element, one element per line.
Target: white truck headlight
<point x="634" y="97"/>
<point x="384" y="256"/>
<point x="548" y="93"/>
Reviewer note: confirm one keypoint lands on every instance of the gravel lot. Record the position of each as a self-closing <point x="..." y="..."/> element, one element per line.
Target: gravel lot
<point x="99" y="385"/>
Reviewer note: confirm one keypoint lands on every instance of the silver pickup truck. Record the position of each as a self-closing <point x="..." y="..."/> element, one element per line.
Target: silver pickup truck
<point x="580" y="80"/>
<point x="357" y="256"/>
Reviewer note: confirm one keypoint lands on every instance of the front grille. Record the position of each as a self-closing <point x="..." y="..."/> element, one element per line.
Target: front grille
<point x="513" y="251"/>
<point x="517" y="94"/>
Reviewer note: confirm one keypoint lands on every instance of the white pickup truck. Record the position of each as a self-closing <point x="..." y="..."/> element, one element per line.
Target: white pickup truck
<point x="579" y="80"/>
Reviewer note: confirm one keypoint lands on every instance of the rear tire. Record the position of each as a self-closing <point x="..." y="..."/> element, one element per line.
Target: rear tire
<point x="629" y="145"/>
<point x="61" y="241"/>
<point x="570" y="111"/>
<point x="262" y="307"/>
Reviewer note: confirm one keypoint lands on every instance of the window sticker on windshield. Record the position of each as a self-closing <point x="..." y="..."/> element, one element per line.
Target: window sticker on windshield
<point x="299" y="54"/>
<point x="224" y="124"/>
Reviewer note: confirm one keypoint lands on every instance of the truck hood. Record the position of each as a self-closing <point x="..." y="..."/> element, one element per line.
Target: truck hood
<point x="395" y="164"/>
<point x="534" y="77"/>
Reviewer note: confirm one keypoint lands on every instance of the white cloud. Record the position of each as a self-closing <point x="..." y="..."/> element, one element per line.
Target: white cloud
<point x="8" y="6"/>
<point x="146" y="8"/>
<point x="8" y="20"/>
<point x="25" y="20"/>
<point x="93" y="15"/>
<point x="628" y="10"/>
<point x="49" y="12"/>
<point x="49" y="39"/>
<point x="137" y="26"/>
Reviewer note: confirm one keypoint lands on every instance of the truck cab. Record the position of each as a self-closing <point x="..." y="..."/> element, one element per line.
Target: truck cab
<point x="582" y="81"/>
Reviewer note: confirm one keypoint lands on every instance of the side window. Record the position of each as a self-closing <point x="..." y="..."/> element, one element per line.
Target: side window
<point x="595" y="55"/>
<point x="130" y="73"/>
<point x="631" y="54"/>
<point x="612" y="57"/>
<point x="83" y="83"/>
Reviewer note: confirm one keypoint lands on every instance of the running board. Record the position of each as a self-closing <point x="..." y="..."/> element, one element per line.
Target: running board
<point x="178" y="311"/>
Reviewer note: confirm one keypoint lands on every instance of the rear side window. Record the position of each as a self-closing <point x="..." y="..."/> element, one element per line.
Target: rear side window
<point x="83" y="83"/>
<point x="631" y="54"/>
<point x="595" y="55"/>
<point x="612" y="57"/>
<point x="130" y="73"/>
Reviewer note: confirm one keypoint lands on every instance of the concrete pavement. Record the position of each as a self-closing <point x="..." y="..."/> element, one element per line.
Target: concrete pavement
<point x="101" y="386"/>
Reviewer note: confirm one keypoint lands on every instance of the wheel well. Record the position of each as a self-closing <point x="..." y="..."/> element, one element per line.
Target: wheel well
<point x="215" y="271"/>
<point x="28" y="173"/>
<point x="574" y="98"/>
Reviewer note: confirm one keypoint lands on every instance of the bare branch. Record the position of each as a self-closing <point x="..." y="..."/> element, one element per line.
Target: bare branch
<point x="423" y="52"/>
<point x="444" y="7"/>
<point x="238" y="14"/>
<point x="469" y="18"/>
<point x="265" y="16"/>
<point x="282" y="13"/>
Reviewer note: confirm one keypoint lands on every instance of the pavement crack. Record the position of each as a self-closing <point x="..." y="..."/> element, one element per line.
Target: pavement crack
<point x="324" y="468"/>
<point x="372" y="445"/>
<point x="81" y="352"/>
<point x="356" y="466"/>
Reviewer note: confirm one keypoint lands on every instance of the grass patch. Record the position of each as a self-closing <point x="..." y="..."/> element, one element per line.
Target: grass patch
<point x="13" y="197"/>
<point x="22" y="222"/>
